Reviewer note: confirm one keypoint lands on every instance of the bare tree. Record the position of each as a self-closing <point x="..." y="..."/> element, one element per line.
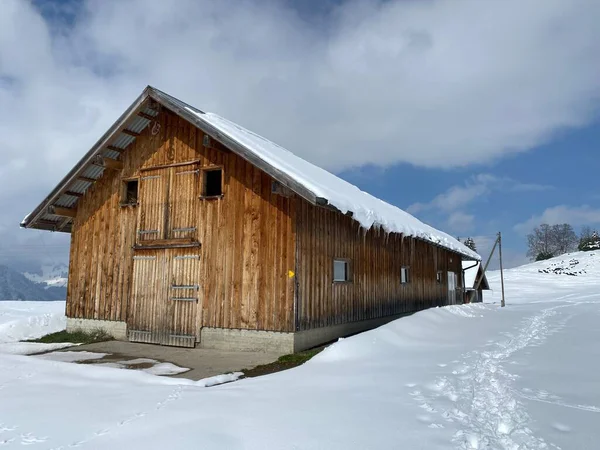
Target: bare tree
<point x="540" y="242"/>
<point x="564" y="239"/>
<point x="547" y="241"/>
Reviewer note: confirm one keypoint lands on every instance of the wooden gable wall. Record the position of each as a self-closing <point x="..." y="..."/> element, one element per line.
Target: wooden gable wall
<point x="247" y="237"/>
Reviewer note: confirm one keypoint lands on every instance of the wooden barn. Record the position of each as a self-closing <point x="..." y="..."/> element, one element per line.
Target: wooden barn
<point x="187" y="229"/>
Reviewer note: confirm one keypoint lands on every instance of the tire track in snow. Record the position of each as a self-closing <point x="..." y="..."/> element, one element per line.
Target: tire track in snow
<point x="482" y="400"/>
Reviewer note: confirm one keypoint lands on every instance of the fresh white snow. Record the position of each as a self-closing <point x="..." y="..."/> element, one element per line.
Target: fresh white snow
<point x="30" y="320"/>
<point x="465" y="377"/>
<point x="366" y="209"/>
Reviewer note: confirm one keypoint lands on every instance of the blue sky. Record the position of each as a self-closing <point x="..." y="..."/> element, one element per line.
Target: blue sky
<point x="476" y="117"/>
<point x="565" y="170"/>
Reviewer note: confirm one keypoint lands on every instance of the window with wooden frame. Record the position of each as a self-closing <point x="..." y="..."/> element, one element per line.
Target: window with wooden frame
<point x="405" y="275"/>
<point x="212" y="182"/>
<point x="342" y="272"/>
<point x="130" y="192"/>
<point x="440" y="276"/>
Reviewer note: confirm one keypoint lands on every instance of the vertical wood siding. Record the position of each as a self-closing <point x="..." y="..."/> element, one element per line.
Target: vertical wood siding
<point x="265" y="261"/>
<point x="247" y="237"/>
<point x="376" y="259"/>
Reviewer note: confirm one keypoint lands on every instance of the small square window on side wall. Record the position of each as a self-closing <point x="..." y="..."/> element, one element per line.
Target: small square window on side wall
<point x="130" y="192"/>
<point x="404" y="275"/>
<point x="341" y="271"/>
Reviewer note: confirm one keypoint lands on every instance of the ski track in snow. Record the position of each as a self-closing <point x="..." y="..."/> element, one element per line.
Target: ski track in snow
<point x="479" y="395"/>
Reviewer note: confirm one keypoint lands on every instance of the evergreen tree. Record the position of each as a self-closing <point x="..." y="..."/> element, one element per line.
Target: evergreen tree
<point x="470" y="243"/>
<point x="542" y="256"/>
<point x="592" y="243"/>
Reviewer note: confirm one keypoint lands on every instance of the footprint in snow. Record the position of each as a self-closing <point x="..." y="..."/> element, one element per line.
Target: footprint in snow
<point x="29" y="439"/>
<point x="442" y="365"/>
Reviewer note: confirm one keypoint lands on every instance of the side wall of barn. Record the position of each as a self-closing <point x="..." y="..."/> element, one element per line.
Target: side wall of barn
<point x="247" y="238"/>
<point x="375" y="293"/>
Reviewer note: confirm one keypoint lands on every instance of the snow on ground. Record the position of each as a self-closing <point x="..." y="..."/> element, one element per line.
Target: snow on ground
<point x="30" y="320"/>
<point x="466" y="377"/>
<point x="71" y="356"/>
<point x="151" y="366"/>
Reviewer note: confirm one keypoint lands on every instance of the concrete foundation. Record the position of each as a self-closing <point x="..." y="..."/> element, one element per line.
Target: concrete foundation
<point x="117" y="330"/>
<point x="312" y="338"/>
<point x="247" y="340"/>
<point x="231" y="340"/>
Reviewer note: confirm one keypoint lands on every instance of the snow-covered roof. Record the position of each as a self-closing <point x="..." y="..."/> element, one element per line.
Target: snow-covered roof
<point x="307" y="180"/>
<point x="365" y="208"/>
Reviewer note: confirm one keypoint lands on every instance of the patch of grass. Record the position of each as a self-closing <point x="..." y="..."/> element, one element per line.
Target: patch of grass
<point x="283" y="363"/>
<point x="77" y="337"/>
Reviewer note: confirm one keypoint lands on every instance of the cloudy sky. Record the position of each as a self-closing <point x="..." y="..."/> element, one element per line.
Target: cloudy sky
<point x="476" y="116"/>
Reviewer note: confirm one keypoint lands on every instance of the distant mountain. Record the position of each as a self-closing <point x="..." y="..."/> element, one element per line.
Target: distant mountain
<point x="15" y="286"/>
<point x="54" y="275"/>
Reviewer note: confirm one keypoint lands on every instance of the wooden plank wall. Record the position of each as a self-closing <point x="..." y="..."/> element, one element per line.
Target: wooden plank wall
<point x="247" y="237"/>
<point x="376" y="259"/>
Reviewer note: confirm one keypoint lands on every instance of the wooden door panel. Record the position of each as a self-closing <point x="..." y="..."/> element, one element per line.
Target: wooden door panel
<point x="182" y="303"/>
<point x="152" y="203"/>
<point x="145" y="321"/>
<point x="183" y="200"/>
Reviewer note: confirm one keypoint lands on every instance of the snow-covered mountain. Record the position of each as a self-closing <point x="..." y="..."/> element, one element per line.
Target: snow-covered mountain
<point x="52" y="275"/>
<point x="15" y="286"/>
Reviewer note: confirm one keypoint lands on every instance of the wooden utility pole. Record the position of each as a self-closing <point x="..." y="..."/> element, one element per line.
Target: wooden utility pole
<point x="498" y="243"/>
<point x="503" y="304"/>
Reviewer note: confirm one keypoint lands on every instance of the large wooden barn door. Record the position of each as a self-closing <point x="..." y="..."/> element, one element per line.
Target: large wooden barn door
<point x="165" y="297"/>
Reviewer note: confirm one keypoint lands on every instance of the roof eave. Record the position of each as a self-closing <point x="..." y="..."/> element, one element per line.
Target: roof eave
<point x="30" y="221"/>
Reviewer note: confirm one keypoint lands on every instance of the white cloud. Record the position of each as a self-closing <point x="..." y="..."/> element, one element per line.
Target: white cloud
<point x="475" y="188"/>
<point x="574" y="215"/>
<point x="436" y="84"/>
<point x="461" y="222"/>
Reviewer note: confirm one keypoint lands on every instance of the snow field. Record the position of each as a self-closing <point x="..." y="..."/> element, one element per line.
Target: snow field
<point x="465" y="377"/>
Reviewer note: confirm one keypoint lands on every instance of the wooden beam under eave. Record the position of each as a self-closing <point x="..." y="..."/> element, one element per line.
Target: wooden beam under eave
<point x="88" y="179"/>
<point x="129" y="132"/>
<point x="113" y="164"/>
<point x="112" y="148"/>
<point x="74" y="194"/>
<point x="146" y="116"/>
<point x="64" y="212"/>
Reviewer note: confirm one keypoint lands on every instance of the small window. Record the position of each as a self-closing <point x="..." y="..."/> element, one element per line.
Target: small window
<point x="405" y="275"/>
<point x="341" y="270"/>
<point x="440" y="276"/>
<point x="130" y="192"/>
<point x="213" y="183"/>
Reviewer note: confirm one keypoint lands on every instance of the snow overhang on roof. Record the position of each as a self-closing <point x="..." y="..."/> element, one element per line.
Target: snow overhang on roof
<point x="310" y="182"/>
